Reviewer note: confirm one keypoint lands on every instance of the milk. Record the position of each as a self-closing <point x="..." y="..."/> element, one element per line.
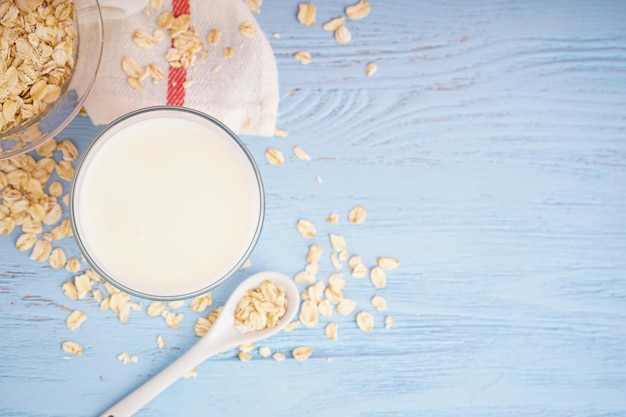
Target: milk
<point x="167" y="204"/>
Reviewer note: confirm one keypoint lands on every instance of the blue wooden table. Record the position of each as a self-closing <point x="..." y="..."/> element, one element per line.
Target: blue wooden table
<point x="489" y="150"/>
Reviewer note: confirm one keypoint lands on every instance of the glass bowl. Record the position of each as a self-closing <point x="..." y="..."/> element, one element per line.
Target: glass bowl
<point x="37" y="130"/>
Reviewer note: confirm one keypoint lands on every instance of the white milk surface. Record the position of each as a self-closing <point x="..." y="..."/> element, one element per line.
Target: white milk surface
<point x="168" y="206"/>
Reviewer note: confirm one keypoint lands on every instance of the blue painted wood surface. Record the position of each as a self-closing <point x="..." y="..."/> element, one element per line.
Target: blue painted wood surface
<point x="490" y="152"/>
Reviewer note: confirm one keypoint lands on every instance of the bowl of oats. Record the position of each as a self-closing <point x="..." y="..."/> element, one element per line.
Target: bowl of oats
<point x="50" y="51"/>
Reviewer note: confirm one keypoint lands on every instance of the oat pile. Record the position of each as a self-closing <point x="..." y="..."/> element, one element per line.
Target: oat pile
<point x="31" y="193"/>
<point x="37" y="43"/>
<point x="261" y="308"/>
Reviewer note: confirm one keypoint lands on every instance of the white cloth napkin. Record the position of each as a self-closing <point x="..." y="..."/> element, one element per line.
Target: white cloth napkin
<point x="243" y="93"/>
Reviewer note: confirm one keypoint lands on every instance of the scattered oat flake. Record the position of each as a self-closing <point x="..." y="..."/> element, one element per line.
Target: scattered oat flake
<point x="281" y="133"/>
<point x="173" y="305"/>
<point x="156" y="73"/>
<point x="357" y="215"/>
<point x="145" y="40"/>
<point x="214" y="37"/>
<point x="300" y="154"/>
<point x="124" y="312"/>
<point x="135" y="83"/>
<point x="265" y="351"/>
<point x="165" y="20"/>
<point x="309" y="314"/>
<point x="274" y="156"/>
<point x="69" y="289"/>
<point x="325" y="308"/>
<point x="365" y="321"/>
<point x="301" y="353"/>
<point x="333" y="294"/>
<point x="316" y="291"/>
<point x="338" y="242"/>
<point x="359" y="271"/>
<point x="192" y="373"/>
<point x="278" y="356"/>
<point x="378" y="277"/>
<point x="336" y="280"/>
<point x="53" y="214"/>
<point x="72" y="347"/>
<point x="306" y="13"/>
<point x="173" y="320"/>
<point x="254" y="5"/>
<point x="334" y="23"/>
<point x="228" y="52"/>
<point x="343" y="35"/>
<point x="131" y="67"/>
<point x="387" y="263"/>
<point x="248" y="347"/>
<point x="303" y="57"/>
<point x="371" y="68"/>
<point x="333" y="218"/>
<point x="47" y="148"/>
<point x="331" y="331"/>
<point x="55" y="189"/>
<point x="75" y="319"/>
<point x="41" y="251"/>
<point x="291" y="326"/>
<point x="68" y="149"/>
<point x="26" y="241"/>
<point x="304" y="277"/>
<point x="276" y="35"/>
<point x="354" y="261"/>
<point x="156" y="4"/>
<point x="73" y="265"/>
<point x="345" y="306"/>
<point x="388" y="322"/>
<point x="125" y="358"/>
<point x="244" y="356"/>
<point x="358" y="10"/>
<point x="314" y="254"/>
<point x="334" y="260"/>
<point x="379" y="302"/>
<point x="57" y="258"/>
<point x="306" y="228"/>
<point x="247" y="29"/>
<point x="247" y="264"/>
<point x="97" y="295"/>
<point x="201" y="303"/>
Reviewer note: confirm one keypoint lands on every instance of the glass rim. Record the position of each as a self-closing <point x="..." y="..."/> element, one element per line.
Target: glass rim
<point x="83" y="163"/>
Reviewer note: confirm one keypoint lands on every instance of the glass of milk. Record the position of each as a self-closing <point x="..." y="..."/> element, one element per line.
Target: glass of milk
<point x="167" y="203"/>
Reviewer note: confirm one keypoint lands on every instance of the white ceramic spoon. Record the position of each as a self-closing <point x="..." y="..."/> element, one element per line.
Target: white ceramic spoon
<point x="220" y="337"/>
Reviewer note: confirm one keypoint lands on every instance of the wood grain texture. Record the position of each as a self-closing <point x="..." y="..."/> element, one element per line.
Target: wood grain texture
<point x="490" y="152"/>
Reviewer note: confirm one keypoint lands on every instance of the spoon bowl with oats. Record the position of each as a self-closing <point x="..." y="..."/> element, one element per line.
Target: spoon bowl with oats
<point x="258" y="308"/>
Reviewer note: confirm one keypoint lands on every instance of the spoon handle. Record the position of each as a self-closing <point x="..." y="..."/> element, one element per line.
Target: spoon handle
<point x="157" y="384"/>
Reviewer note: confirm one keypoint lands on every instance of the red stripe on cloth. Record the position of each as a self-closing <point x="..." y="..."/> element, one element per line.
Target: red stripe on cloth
<point x="180" y="7"/>
<point x="176" y="77"/>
